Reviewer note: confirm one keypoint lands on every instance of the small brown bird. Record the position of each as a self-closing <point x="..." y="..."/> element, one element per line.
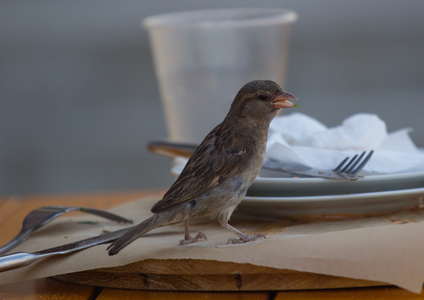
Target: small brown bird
<point x="218" y="174"/>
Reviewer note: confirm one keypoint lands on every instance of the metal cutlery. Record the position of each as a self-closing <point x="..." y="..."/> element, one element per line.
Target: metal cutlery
<point x="21" y="259"/>
<point x="346" y="170"/>
<point x="43" y="215"/>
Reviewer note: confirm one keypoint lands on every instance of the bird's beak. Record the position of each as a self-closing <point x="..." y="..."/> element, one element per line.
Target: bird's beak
<point x="281" y="101"/>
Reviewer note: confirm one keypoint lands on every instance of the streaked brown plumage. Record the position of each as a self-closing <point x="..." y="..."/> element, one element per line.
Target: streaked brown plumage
<point x="218" y="174"/>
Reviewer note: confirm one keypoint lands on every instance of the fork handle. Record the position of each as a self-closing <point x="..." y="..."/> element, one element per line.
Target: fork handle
<point x="17" y="260"/>
<point x="22" y="235"/>
<point x="105" y="214"/>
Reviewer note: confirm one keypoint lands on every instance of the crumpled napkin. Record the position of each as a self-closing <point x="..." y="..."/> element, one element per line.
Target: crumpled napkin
<point x="300" y="140"/>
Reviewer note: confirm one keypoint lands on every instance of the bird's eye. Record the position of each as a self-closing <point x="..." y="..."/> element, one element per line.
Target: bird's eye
<point x="263" y="97"/>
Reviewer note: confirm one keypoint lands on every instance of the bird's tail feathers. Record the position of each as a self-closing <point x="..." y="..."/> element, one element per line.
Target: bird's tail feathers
<point x="134" y="233"/>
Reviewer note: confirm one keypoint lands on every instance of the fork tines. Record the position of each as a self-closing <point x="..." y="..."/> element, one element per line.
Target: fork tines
<point x="355" y="164"/>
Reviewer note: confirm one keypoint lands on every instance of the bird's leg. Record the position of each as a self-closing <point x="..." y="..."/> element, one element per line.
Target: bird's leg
<point x="188" y="239"/>
<point x="243" y="238"/>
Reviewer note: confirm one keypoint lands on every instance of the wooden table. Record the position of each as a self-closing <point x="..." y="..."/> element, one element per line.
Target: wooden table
<point x="14" y="209"/>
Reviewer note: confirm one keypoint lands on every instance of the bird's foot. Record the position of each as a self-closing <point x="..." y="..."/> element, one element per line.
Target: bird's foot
<point x="245" y="238"/>
<point x="188" y="239"/>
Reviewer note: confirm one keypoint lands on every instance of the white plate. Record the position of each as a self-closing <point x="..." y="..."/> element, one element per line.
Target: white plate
<point x="288" y="187"/>
<point x="361" y="203"/>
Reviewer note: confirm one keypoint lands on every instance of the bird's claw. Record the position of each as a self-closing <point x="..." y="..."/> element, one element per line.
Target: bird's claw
<point x="246" y="238"/>
<point x="189" y="239"/>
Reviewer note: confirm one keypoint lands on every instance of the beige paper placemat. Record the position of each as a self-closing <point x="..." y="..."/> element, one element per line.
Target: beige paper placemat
<point x="384" y="249"/>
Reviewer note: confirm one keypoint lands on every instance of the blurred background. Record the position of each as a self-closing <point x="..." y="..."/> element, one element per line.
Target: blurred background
<point x="79" y="99"/>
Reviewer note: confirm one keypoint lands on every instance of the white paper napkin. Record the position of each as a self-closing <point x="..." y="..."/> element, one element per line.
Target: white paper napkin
<point x="298" y="139"/>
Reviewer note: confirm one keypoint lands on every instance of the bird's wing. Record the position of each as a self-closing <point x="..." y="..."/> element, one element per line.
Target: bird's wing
<point x="214" y="161"/>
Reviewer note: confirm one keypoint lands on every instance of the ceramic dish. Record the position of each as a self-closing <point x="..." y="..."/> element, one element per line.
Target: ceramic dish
<point x="290" y="187"/>
<point x="360" y="203"/>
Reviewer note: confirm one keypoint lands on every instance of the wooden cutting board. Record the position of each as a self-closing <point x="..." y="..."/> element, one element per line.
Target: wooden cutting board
<point x="207" y="275"/>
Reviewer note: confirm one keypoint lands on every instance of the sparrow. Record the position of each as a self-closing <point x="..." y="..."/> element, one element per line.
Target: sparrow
<point x="218" y="174"/>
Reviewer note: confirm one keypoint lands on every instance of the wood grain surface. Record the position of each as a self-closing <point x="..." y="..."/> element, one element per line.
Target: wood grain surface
<point x="207" y="275"/>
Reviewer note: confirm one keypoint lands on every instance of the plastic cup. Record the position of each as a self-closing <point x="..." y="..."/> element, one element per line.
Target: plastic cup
<point x="202" y="58"/>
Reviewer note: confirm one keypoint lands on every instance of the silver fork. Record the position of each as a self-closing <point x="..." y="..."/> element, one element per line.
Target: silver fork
<point x="43" y="215"/>
<point x="22" y="259"/>
<point x="346" y="170"/>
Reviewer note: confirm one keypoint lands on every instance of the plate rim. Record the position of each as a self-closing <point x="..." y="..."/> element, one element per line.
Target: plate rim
<point x="330" y="198"/>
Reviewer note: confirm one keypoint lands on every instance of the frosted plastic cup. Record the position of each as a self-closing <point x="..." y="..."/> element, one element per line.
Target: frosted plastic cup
<point x="202" y="58"/>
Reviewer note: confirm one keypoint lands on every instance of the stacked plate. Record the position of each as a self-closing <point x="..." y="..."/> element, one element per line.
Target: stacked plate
<point x="279" y="196"/>
<point x="374" y="194"/>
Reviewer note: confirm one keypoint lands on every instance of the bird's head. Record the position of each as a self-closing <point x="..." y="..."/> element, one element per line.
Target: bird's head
<point x="260" y="99"/>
